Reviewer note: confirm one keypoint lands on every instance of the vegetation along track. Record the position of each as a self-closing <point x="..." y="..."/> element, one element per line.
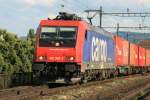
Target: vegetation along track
<point x="112" y="88"/>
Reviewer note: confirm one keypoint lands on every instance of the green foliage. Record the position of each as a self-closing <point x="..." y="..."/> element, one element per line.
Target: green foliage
<point x="31" y="34"/>
<point x="16" y="54"/>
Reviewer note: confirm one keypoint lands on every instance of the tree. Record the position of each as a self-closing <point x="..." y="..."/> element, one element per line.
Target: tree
<point x="31" y="34"/>
<point x="15" y="54"/>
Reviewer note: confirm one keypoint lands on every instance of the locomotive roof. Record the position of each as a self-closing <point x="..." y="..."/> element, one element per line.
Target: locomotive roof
<point x="60" y="22"/>
<point x="100" y="31"/>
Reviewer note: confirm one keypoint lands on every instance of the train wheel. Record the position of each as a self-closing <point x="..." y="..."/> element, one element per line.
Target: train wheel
<point x="84" y="78"/>
<point x="98" y="77"/>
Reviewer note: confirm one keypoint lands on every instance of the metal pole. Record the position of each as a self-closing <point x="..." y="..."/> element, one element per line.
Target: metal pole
<point x="127" y="35"/>
<point x="117" y="29"/>
<point x="100" y="16"/>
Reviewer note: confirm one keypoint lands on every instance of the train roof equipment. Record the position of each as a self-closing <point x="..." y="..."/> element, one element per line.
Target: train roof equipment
<point x="67" y="16"/>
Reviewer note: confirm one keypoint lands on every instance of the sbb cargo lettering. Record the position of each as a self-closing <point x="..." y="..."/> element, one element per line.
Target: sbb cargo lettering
<point x="99" y="49"/>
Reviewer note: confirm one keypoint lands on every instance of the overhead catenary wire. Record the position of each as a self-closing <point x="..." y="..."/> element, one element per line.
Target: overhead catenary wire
<point x="119" y="14"/>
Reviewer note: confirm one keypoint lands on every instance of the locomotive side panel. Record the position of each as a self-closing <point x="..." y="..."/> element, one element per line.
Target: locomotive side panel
<point x="98" y="51"/>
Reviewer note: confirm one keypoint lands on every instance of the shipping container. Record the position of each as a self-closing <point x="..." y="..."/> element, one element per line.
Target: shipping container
<point x="119" y="54"/>
<point x="122" y="51"/>
<point x="126" y="52"/>
<point x="133" y="55"/>
<point x="141" y="56"/>
<point x="148" y="58"/>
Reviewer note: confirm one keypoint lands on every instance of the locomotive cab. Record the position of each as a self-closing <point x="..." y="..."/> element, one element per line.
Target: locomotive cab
<point x="58" y="48"/>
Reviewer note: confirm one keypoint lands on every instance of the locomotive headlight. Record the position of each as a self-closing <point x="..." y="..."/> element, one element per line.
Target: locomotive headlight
<point x="71" y="58"/>
<point x="41" y="57"/>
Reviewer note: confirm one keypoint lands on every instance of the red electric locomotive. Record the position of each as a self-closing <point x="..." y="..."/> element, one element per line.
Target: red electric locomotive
<point x="69" y="50"/>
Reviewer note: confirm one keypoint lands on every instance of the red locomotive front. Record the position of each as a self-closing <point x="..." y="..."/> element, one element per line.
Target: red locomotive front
<point x="56" y="41"/>
<point x="59" y="49"/>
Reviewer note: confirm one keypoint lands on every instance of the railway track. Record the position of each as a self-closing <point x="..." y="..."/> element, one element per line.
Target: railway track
<point x="35" y="92"/>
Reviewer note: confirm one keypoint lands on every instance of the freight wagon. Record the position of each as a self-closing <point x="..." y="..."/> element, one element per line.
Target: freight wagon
<point x="121" y="54"/>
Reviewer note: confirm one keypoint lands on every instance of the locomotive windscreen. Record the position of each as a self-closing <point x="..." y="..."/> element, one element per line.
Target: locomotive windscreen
<point x="58" y="37"/>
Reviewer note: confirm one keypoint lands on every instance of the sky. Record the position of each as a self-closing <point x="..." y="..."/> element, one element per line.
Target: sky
<point x="17" y="16"/>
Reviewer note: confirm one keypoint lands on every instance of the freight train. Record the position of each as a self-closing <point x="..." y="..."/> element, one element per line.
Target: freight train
<point x="69" y="49"/>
